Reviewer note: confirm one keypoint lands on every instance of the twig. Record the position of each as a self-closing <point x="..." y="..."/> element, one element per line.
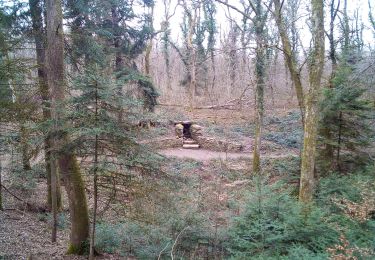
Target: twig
<point x="163" y="250"/>
<point x="175" y="242"/>
<point x="15" y="196"/>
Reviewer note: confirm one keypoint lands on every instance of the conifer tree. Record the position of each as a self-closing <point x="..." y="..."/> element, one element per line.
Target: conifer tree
<point x="107" y="30"/>
<point x="109" y="146"/>
<point x="345" y="114"/>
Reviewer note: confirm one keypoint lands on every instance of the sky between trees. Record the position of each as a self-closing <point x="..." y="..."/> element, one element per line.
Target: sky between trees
<point x="360" y="6"/>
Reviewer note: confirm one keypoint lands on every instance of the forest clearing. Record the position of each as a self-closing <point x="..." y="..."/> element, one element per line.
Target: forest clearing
<point x="187" y="129"/>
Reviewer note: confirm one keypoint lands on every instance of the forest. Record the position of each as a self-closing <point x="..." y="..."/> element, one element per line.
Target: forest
<point x="187" y="129"/>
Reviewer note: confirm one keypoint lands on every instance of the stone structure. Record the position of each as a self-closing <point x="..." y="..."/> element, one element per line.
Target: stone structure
<point x="179" y="129"/>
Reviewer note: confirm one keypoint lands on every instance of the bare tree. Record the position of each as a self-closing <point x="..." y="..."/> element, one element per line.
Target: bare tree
<point x="151" y="40"/>
<point x="166" y="39"/>
<point x="190" y="12"/>
<point x="259" y="22"/>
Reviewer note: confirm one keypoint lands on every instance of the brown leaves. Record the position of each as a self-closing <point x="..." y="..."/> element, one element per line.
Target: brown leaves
<point x="360" y="211"/>
<point x="344" y="251"/>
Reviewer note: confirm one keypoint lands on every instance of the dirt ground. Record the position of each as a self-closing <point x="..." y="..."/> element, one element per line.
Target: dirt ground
<point x="25" y="234"/>
<point x="206" y="155"/>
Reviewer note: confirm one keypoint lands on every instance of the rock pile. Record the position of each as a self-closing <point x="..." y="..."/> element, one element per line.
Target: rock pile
<point x="195" y="131"/>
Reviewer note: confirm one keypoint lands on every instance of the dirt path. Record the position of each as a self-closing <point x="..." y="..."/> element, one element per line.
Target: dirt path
<point x="206" y="155"/>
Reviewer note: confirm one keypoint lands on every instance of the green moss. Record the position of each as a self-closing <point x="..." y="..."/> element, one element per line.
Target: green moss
<point x="82" y="249"/>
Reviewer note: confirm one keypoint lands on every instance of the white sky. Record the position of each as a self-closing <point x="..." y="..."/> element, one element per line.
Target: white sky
<point x="222" y="21"/>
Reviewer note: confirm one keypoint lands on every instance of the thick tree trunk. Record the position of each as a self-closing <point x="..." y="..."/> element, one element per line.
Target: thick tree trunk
<point x="75" y="189"/>
<point x="289" y="58"/>
<point x="67" y="161"/>
<point x="307" y="182"/>
<point x="39" y="37"/>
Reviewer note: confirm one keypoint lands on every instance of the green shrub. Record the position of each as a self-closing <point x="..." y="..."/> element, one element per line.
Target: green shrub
<point x="287" y="132"/>
<point x="23" y="179"/>
<point x="273" y="221"/>
<point x="292" y="138"/>
<point x="336" y="192"/>
<point x="108" y="237"/>
<point x="146" y="241"/>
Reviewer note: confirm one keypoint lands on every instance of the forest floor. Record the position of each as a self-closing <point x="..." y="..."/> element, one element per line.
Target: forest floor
<point x="25" y="232"/>
<point x="206" y="155"/>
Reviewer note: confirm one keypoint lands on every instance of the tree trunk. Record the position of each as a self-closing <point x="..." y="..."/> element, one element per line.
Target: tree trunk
<point x="191" y="55"/>
<point x="192" y="65"/>
<point x="346" y="31"/>
<point x="39" y="38"/>
<point x="95" y="172"/>
<point x="339" y="143"/>
<point x="165" y="39"/>
<point x="289" y="59"/>
<point x="233" y="63"/>
<point x="1" y="185"/>
<point x="54" y="198"/>
<point x="260" y="74"/>
<point x="119" y="62"/>
<point x="67" y="161"/>
<point x="307" y="182"/>
<point x="25" y="149"/>
<point x="149" y="46"/>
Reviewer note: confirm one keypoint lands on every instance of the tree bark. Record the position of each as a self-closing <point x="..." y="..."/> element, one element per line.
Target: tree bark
<point x="191" y="53"/>
<point x="307" y="182"/>
<point x="54" y="198"/>
<point x="166" y="40"/>
<point x="149" y="46"/>
<point x="233" y="62"/>
<point x="95" y="172"/>
<point x="260" y="74"/>
<point x="290" y="58"/>
<point x="66" y="159"/>
<point x="119" y="62"/>
<point x="39" y="38"/>
<point x="25" y="149"/>
<point x="1" y="185"/>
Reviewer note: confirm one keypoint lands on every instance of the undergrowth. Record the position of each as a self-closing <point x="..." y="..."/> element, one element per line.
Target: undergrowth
<point x="339" y="225"/>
